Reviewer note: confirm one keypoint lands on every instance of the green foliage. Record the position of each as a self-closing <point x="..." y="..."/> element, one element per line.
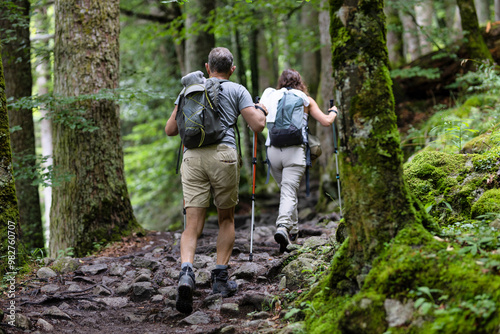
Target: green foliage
<point x="416" y="71"/>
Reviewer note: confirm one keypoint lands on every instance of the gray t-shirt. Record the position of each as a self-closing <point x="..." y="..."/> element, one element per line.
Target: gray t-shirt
<point x="232" y="99"/>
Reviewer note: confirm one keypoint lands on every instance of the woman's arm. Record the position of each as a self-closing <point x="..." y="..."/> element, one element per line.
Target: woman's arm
<point x="317" y="114"/>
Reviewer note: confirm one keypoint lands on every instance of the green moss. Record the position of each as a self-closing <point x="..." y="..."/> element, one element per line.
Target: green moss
<point x="449" y="184"/>
<point x="465" y="299"/>
<point x="489" y="202"/>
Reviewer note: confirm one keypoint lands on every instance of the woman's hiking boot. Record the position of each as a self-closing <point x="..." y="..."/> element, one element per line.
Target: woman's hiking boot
<point x="184" y="300"/>
<point x="281" y="237"/>
<point x="221" y="283"/>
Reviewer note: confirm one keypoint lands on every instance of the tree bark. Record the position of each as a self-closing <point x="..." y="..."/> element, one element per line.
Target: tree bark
<point x="43" y="71"/>
<point x="423" y="14"/>
<point x="483" y="11"/>
<point x="9" y="215"/>
<point x="497" y="10"/>
<point x="410" y="35"/>
<point x="93" y="205"/>
<point x="311" y="60"/>
<point x="377" y="204"/>
<point x="18" y="81"/>
<point x="475" y="45"/>
<point x="199" y="41"/>
<point x="452" y="18"/>
<point x="394" y="37"/>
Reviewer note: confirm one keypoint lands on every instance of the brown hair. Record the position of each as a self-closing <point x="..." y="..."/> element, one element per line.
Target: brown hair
<point x="291" y="79"/>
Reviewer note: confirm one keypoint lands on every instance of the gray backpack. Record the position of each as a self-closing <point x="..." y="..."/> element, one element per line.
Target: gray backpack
<point x="198" y="114"/>
<point x="288" y="127"/>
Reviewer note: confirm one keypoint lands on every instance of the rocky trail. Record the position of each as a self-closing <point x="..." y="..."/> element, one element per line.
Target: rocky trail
<point x="130" y="286"/>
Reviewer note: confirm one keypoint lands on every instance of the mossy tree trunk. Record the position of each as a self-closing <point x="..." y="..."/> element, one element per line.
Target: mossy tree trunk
<point x="476" y="46"/>
<point x="14" y="25"/>
<point x="9" y="213"/>
<point x="377" y="204"/>
<point x="389" y="252"/>
<point x="93" y="205"/>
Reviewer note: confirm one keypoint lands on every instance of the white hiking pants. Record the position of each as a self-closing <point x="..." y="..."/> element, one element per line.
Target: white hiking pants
<point x="288" y="165"/>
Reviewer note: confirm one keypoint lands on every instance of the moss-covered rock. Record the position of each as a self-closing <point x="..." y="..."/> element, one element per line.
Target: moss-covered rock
<point x="448" y="185"/>
<point x="483" y="142"/>
<point x="489" y="202"/>
<point x="457" y="295"/>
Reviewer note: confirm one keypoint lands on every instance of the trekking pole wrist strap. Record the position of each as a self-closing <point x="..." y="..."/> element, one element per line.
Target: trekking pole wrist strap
<point x="332" y="110"/>
<point x="258" y="107"/>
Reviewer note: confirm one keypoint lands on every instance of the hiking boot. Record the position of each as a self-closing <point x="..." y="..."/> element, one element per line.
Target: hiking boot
<point x="293" y="237"/>
<point x="184" y="300"/>
<point x="281" y="237"/>
<point x="221" y="283"/>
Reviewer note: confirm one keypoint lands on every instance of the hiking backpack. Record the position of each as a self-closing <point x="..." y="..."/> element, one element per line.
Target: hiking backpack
<point x="288" y="127"/>
<point x="198" y="115"/>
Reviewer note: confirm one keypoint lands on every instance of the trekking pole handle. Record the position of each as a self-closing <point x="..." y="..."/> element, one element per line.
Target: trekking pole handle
<point x="331" y="103"/>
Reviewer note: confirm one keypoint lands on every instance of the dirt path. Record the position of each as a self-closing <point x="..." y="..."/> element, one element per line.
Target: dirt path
<point x="130" y="287"/>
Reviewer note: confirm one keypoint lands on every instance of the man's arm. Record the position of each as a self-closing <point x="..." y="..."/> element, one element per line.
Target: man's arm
<point x="256" y="118"/>
<point x="171" y="126"/>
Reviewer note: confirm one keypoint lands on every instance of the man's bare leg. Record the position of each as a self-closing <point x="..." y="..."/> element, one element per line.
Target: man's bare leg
<point x="195" y="221"/>
<point x="225" y="239"/>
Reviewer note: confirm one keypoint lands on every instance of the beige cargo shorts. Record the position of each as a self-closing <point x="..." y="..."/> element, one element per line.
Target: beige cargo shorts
<point x="210" y="171"/>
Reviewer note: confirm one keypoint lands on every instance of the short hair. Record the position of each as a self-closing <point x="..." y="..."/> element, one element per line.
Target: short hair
<point x="290" y="78"/>
<point x="220" y="60"/>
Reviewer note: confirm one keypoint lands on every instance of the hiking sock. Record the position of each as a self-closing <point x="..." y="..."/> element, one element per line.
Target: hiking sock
<point x="185" y="288"/>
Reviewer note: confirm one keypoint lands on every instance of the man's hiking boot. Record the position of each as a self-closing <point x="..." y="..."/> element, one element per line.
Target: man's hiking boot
<point x="281" y="237"/>
<point x="293" y="237"/>
<point x="221" y="283"/>
<point x="184" y="301"/>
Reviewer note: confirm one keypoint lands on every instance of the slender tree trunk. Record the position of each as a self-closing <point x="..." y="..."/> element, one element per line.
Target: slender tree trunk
<point x="311" y="60"/>
<point x="199" y="40"/>
<point x="93" y="206"/>
<point x="497" y="10"/>
<point x="483" y="11"/>
<point x="394" y="37"/>
<point x="410" y="36"/>
<point x="42" y="83"/>
<point x="18" y="81"/>
<point x="327" y="83"/>
<point x="9" y="215"/>
<point x="475" y="44"/>
<point x="452" y="18"/>
<point x="423" y="14"/>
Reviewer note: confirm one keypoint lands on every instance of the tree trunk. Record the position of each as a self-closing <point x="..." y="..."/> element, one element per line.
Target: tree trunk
<point x="311" y="60"/>
<point x="394" y="37"/>
<point x="410" y="36"/>
<point x="375" y="197"/>
<point x="43" y="70"/>
<point x="423" y="14"/>
<point x="452" y="18"/>
<point x="18" y="81"/>
<point x="475" y="44"/>
<point x="93" y="206"/>
<point x="483" y="11"/>
<point x="9" y="215"/>
<point x="497" y="10"/>
<point x="199" y="41"/>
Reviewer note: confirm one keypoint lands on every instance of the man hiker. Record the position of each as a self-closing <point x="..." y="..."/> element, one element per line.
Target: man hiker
<point x="214" y="170"/>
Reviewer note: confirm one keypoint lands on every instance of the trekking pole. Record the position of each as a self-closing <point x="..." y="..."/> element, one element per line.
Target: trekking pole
<point x="254" y="169"/>
<point x="336" y="161"/>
